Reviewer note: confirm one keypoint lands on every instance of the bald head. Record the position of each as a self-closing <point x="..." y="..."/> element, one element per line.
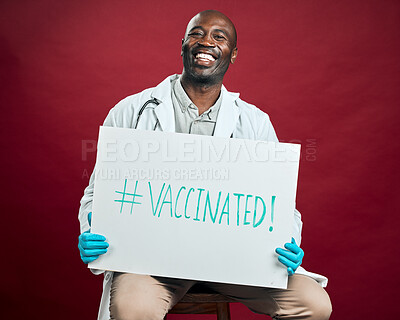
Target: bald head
<point x="216" y="16"/>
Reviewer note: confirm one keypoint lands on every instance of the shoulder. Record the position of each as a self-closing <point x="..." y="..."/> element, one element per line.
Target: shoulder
<point x="126" y="110"/>
<point x="246" y="110"/>
<point x="256" y="120"/>
<point x="250" y="110"/>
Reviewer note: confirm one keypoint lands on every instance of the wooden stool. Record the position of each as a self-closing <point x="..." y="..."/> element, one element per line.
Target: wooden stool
<point x="199" y="300"/>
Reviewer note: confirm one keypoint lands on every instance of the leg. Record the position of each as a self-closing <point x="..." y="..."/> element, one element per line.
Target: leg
<point x="223" y="311"/>
<point x="142" y="297"/>
<point x="304" y="299"/>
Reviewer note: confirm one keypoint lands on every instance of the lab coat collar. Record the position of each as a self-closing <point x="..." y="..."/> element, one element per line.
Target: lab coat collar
<point x="165" y="110"/>
<point x="227" y="117"/>
<point x="228" y="114"/>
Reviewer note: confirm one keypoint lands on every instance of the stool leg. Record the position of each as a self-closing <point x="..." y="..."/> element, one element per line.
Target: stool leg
<point x="223" y="312"/>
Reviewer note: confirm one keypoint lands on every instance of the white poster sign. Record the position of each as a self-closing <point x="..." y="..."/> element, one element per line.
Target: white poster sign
<point x="194" y="207"/>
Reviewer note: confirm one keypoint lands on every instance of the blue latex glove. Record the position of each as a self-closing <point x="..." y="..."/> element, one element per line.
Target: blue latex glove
<point x="292" y="257"/>
<point x="91" y="245"/>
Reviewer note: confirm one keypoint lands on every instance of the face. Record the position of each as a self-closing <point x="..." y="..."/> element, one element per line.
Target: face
<point x="209" y="47"/>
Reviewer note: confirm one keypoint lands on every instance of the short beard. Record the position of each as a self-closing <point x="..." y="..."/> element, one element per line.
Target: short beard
<point x="204" y="80"/>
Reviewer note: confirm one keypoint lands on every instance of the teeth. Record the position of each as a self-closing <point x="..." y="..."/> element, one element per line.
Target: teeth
<point x="205" y="56"/>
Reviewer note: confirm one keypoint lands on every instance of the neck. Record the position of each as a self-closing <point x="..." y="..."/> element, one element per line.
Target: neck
<point x="203" y="95"/>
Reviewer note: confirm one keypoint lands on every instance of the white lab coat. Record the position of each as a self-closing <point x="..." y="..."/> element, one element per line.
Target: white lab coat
<point x="235" y="117"/>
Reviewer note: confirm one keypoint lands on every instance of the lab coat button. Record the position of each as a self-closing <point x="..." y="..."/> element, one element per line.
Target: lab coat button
<point x="108" y="276"/>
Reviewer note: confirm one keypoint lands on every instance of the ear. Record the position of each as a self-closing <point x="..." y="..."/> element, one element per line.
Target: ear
<point x="234" y="55"/>
<point x="183" y="40"/>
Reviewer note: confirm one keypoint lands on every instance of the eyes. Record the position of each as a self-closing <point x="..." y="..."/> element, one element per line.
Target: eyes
<point x="200" y="34"/>
<point x="217" y="36"/>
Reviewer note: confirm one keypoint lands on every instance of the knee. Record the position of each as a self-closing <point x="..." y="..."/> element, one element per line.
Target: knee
<point x="135" y="310"/>
<point x="317" y="306"/>
<point x="321" y="310"/>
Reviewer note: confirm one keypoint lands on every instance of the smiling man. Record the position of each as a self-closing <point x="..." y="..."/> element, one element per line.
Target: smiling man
<point x="197" y="102"/>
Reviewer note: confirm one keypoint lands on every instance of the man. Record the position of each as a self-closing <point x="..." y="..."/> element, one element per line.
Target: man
<point x="196" y="102"/>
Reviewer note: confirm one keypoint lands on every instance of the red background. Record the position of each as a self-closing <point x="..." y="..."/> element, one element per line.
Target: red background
<point x="327" y="72"/>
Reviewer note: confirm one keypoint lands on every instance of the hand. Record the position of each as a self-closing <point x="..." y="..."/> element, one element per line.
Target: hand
<point x="291" y="258"/>
<point x="91" y="245"/>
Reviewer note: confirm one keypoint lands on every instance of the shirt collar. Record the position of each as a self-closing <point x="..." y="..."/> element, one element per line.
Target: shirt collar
<point x="182" y="97"/>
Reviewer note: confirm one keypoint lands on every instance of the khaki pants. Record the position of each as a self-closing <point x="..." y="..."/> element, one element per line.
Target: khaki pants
<point x="141" y="297"/>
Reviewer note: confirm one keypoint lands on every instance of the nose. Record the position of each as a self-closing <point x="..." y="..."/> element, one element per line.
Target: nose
<point x="207" y="41"/>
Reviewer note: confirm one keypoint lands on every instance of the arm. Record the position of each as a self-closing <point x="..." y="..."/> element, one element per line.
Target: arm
<point x="86" y="205"/>
<point x="292" y="257"/>
<point x="119" y="116"/>
<point x="91" y="245"/>
<point x="266" y="132"/>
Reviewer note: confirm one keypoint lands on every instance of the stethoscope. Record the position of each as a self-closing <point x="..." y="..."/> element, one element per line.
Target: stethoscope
<point x="156" y="102"/>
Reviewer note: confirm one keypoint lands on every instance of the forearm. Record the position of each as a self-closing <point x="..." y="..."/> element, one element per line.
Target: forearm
<point x="86" y="204"/>
<point x="297" y="226"/>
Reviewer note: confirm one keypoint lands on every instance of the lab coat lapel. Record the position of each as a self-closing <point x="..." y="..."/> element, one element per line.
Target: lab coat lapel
<point x="228" y="114"/>
<point x="165" y="110"/>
